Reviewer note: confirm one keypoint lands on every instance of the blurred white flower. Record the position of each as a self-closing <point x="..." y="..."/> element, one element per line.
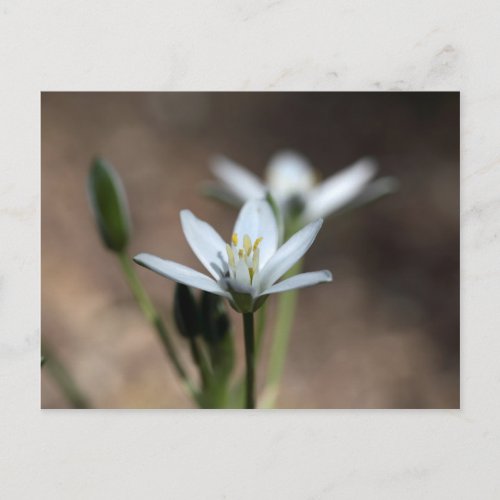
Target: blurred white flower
<point x="246" y="269"/>
<point x="292" y="182"/>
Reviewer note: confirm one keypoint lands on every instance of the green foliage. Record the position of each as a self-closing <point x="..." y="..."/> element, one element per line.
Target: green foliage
<point x="204" y="323"/>
<point x="109" y="204"/>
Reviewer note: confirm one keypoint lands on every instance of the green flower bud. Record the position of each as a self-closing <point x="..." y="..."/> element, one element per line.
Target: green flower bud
<point x="186" y="313"/>
<point x="108" y="202"/>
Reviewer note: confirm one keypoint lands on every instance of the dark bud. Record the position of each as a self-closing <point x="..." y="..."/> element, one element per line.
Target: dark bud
<point x="186" y="312"/>
<point x="215" y="320"/>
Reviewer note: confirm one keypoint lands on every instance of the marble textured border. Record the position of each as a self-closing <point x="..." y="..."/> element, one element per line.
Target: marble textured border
<point x="239" y="45"/>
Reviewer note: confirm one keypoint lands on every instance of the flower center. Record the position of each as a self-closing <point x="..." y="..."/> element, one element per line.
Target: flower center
<point x="244" y="259"/>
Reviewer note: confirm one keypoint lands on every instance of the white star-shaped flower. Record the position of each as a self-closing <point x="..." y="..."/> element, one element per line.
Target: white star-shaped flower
<point x="292" y="182"/>
<point x="246" y="269"/>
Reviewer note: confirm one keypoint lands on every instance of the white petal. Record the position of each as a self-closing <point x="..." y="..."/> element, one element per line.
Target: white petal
<point x="240" y="181"/>
<point x="300" y="281"/>
<point x="287" y="255"/>
<point x="374" y="190"/>
<point x="339" y="189"/>
<point x="257" y="219"/>
<point x="206" y="243"/>
<point x="288" y="174"/>
<point x="219" y="192"/>
<point x="179" y="273"/>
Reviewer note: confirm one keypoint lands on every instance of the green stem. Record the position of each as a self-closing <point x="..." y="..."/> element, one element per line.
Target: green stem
<point x="239" y="388"/>
<point x="281" y="338"/>
<point x="154" y="318"/>
<point x="259" y="329"/>
<point x="64" y="379"/>
<point x="250" y="359"/>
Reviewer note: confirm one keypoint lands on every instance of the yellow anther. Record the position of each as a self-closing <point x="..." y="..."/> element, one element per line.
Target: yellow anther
<point x="241" y="253"/>
<point x="247" y="244"/>
<point x="257" y="243"/>
<point x="234" y="239"/>
<point x="230" y="255"/>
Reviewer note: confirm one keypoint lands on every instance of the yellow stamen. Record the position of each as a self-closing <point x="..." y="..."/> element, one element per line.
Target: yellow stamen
<point x="241" y="253"/>
<point x="247" y="244"/>
<point x="250" y="272"/>
<point x="230" y="255"/>
<point x="255" y="259"/>
<point x="234" y="239"/>
<point x="257" y="243"/>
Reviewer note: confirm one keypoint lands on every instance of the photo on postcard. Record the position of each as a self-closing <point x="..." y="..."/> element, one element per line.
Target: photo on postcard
<point x="250" y="250"/>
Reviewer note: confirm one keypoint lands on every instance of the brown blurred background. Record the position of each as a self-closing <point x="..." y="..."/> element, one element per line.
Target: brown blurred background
<point x="384" y="334"/>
